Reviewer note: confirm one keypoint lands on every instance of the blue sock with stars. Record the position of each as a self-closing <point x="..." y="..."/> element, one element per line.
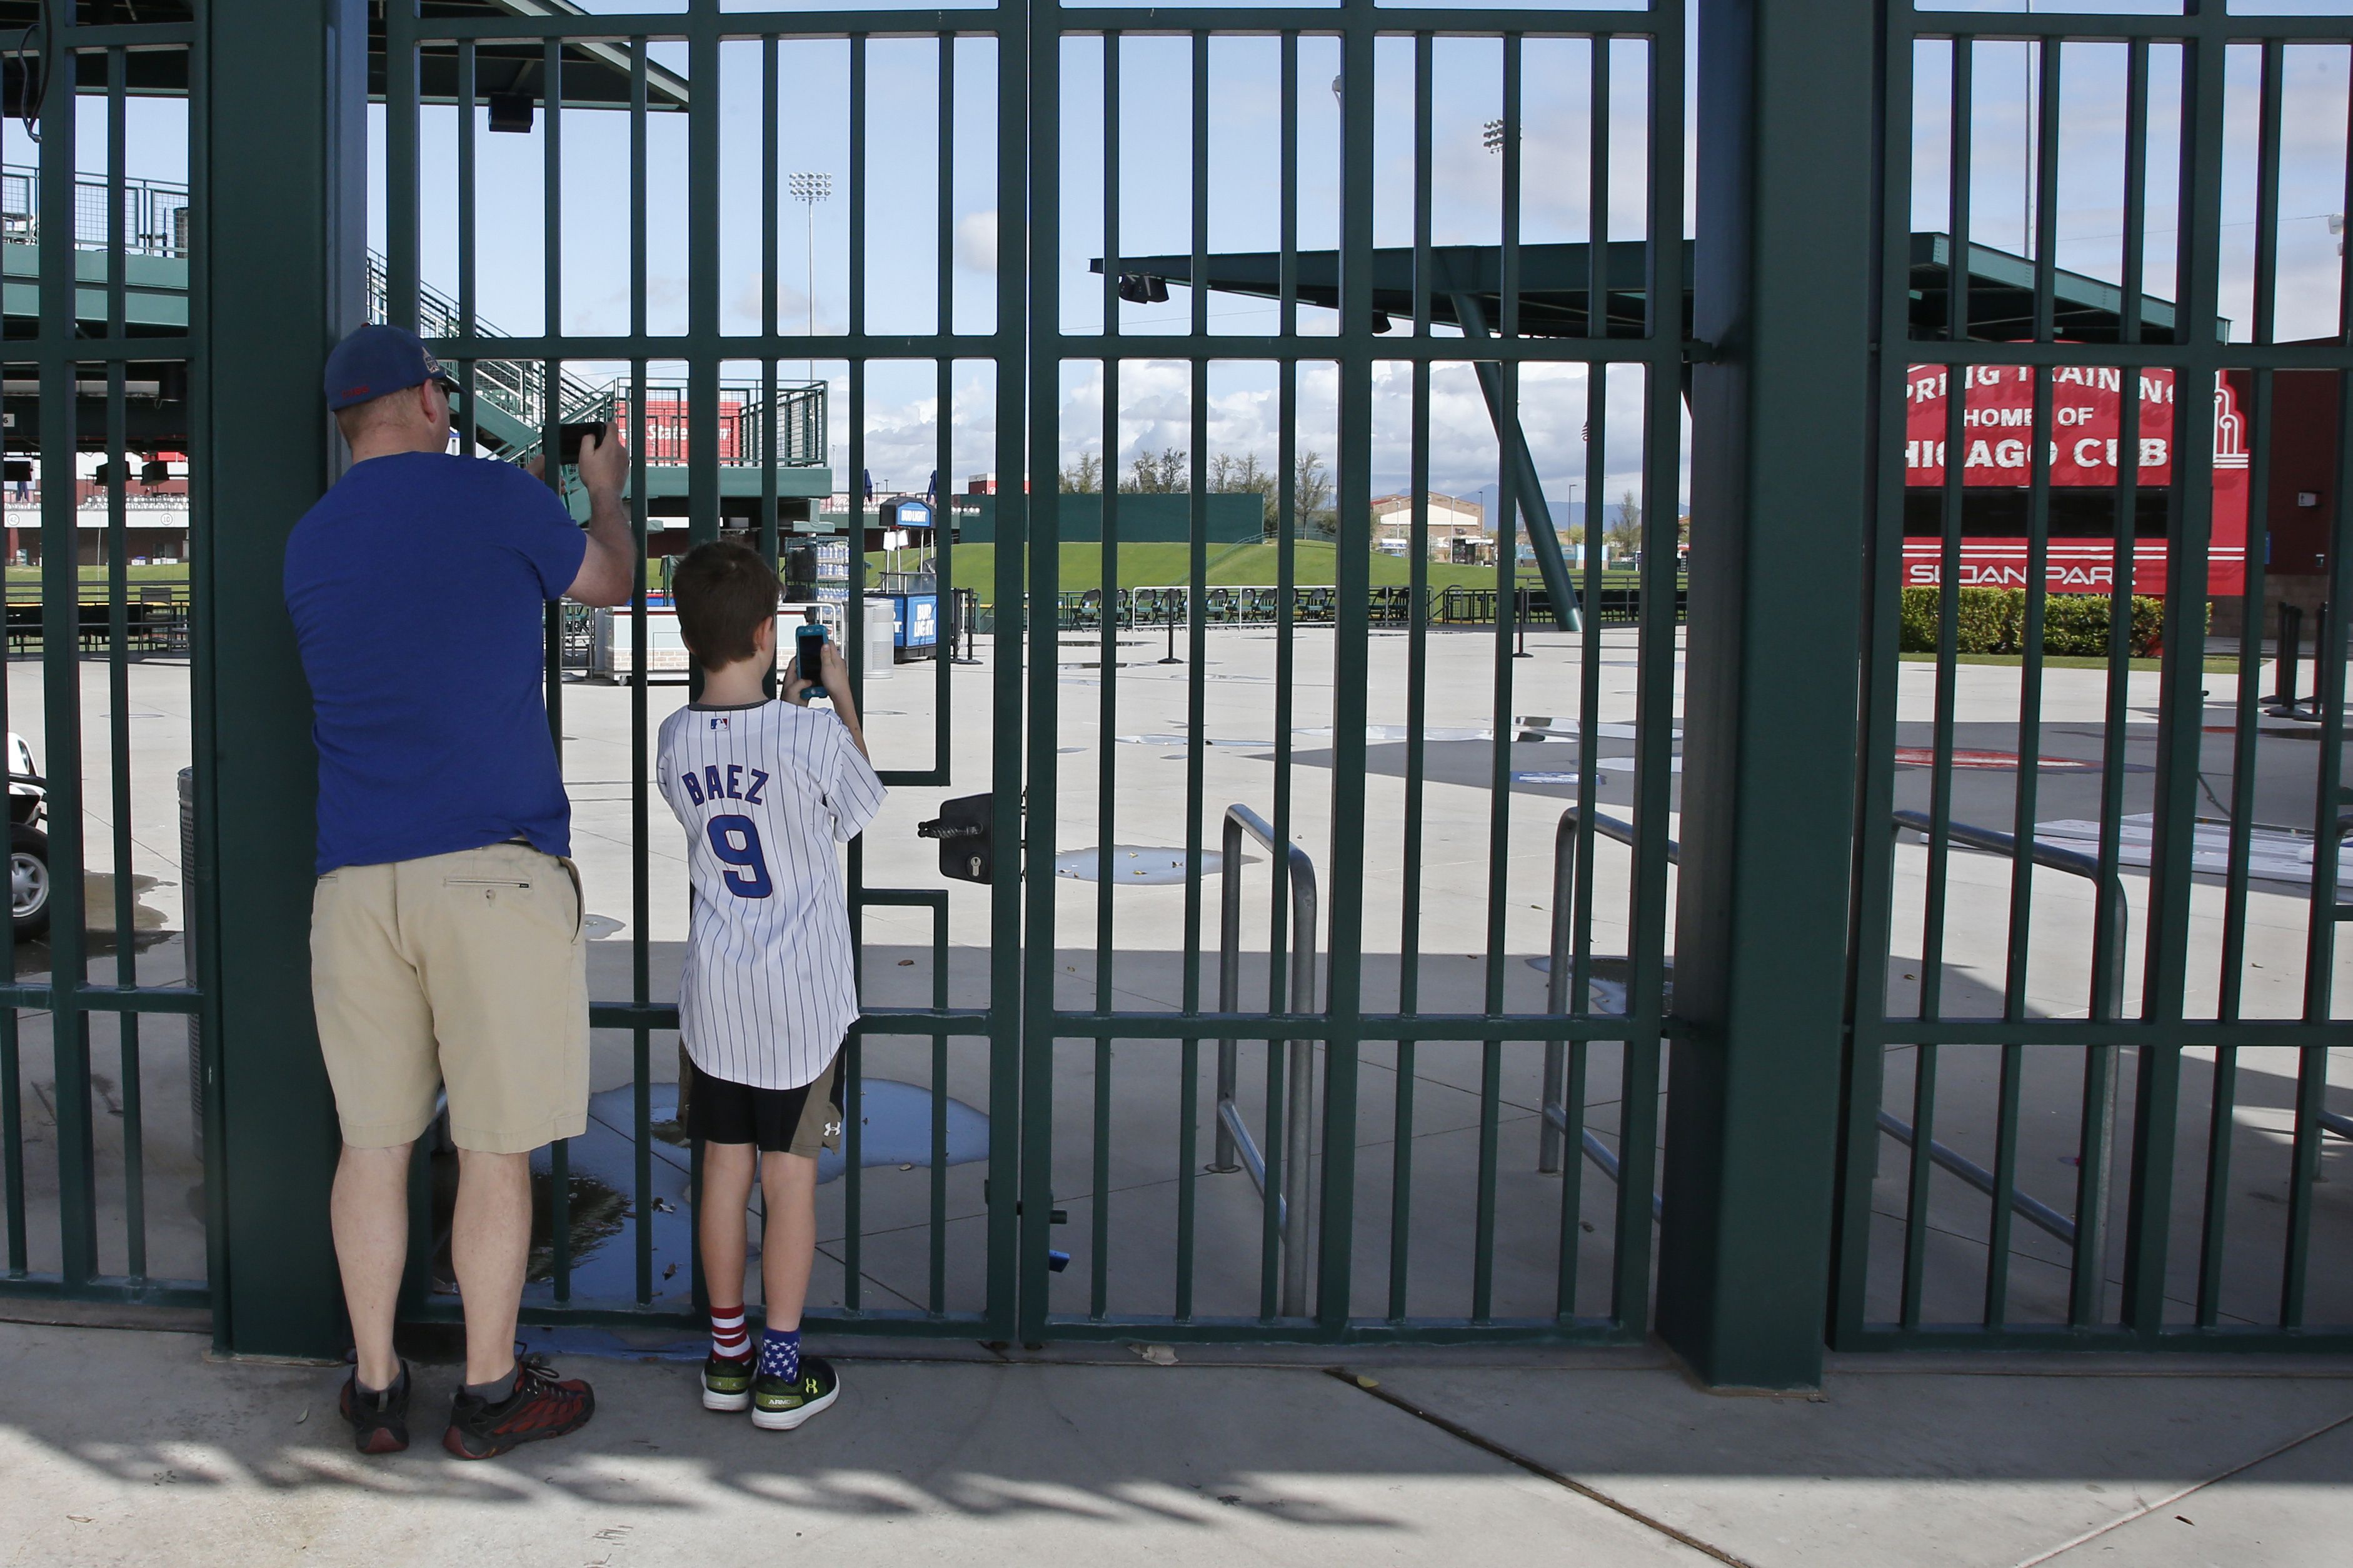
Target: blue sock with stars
<point x="780" y="1354"/>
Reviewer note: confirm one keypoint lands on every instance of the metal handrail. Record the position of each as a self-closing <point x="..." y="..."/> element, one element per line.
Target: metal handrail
<point x="1553" y="1127"/>
<point x="2075" y="863"/>
<point x="1298" y="1175"/>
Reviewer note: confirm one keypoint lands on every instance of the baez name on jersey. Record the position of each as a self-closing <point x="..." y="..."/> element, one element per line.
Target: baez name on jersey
<point x="709" y="786"/>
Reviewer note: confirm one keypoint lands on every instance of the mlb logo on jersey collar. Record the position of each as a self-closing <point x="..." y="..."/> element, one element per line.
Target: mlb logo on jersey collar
<point x="720" y="721"/>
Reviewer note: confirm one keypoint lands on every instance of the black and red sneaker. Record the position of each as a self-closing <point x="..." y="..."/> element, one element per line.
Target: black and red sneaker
<point x="541" y="1405"/>
<point x="379" y="1420"/>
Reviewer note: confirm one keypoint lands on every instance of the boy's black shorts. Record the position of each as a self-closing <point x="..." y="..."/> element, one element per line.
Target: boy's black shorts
<point x="780" y="1121"/>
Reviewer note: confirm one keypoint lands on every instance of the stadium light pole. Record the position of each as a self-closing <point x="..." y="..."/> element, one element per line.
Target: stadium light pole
<point x="808" y="189"/>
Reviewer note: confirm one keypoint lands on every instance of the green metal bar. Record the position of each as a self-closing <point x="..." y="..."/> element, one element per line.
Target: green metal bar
<point x="402" y="183"/>
<point x="2030" y="706"/>
<point x="12" y="1138"/>
<point x="202" y="883"/>
<point x="1030" y="102"/>
<point x="1344" y="924"/>
<point x="943" y="400"/>
<point x="1499" y="795"/>
<point x="2181" y="690"/>
<point x="771" y="416"/>
<point x="1921" y="1176"/>
<point x="12" y="1106"/>
<point x="1655" y="702"/>
<point x="1107" y="640"/>
<point x="936" y="1294"/>
<point x="297" y="139"/>
<point x="640" y="739"/>
<point x="1010" y="1264"/>
<point x="559" y="1154"/>
<point x="134" y="1151"/>
<point x="1789" y="123"/>
<point x="2222" y="1113"/>
<point x="853" y="1185"/>
<point x="2095" y="1125"/>
<point x="61" y="704"/>
<point x="1417" y="699"/>
<point x="115" y="1288"/>
<point x="1286" y="575"/>
<point x="2320" y="936"/>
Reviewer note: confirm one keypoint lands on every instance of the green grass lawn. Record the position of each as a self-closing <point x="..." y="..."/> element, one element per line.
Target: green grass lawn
<point x="23" y="581"/>
<point x="1315" y="565"/>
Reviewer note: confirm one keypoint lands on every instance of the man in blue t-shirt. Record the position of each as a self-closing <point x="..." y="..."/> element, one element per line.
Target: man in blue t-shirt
<point x="446" y="931"/>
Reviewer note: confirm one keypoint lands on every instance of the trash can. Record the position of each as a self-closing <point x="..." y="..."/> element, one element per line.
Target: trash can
<point x="881" y="639"/>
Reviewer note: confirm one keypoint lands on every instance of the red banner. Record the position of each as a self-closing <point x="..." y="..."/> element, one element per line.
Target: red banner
<point x="2087" y="409"/>
<point x="667" y="426"/>
<point x="1998" y="412"/>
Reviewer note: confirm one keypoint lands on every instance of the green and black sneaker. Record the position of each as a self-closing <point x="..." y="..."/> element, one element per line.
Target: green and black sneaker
<point x="781" y="1403"/>
<point x="727" y="1384"/>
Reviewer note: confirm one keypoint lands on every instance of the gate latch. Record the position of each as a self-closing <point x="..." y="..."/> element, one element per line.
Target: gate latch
<point x="962" y="828"/>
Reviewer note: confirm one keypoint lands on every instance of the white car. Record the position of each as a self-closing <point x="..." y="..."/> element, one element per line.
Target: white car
<point x="28" y="845"/>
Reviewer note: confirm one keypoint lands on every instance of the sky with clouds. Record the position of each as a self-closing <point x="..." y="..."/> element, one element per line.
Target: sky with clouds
<point x="903" y="240"/>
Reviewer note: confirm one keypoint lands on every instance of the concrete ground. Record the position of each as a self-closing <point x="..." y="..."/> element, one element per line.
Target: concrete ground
<point x="1144" y="712"/>
<point x="132" y="1448"/>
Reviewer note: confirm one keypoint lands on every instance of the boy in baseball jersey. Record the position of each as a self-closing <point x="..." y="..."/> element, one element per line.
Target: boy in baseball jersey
<point x="768" y="791"/>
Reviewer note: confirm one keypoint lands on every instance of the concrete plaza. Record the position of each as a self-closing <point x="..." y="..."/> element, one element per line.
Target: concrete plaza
<point x="1144" y="712"/>
<point x="132" y="1448"/>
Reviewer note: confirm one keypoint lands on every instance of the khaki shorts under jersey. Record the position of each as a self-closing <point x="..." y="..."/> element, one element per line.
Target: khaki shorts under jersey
<point x="467" y="970"/>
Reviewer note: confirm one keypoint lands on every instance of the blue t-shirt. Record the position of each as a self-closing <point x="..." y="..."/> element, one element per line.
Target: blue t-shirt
<point x="418" y="587"/>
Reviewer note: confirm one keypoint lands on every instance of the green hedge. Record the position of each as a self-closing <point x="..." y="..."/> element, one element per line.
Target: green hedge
<point x="1993" y="620"/>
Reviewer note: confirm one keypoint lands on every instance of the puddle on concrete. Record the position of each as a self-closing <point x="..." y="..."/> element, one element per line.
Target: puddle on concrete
<point x="1606" y="979"/>
<point x="894" y="1135"/>
<point x="597" y="928"/>
<point x="1134" y="864"/>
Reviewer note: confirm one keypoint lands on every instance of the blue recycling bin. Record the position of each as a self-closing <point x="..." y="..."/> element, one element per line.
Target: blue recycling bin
<point x="914" y="624"/>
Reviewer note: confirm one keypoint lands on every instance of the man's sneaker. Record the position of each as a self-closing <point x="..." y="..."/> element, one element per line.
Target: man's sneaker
<point x="781" y="1403"/>
<point x="380" y="1420"/>
<point x="541" y="1405"/>
<point x="727" y="1384"/>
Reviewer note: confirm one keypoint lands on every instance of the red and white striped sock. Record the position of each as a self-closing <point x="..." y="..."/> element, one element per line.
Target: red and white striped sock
<point x="730" y="1340"/>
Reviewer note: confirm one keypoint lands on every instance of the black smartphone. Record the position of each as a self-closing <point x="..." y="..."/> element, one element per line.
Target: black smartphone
<point x="808" y="655"/>
<point x="570" y="437"/>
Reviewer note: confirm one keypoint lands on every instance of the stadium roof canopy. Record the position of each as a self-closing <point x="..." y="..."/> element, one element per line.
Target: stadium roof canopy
<point x="1556" y="288"/>
<point x="595" y="75"/>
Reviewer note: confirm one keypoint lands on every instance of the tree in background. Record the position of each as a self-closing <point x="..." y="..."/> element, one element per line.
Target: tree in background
<point x="1163" y="473"/>
<point x="1625" y="530"/>
<point x="1311" y="495"/>
<point x="1084" y="475"/>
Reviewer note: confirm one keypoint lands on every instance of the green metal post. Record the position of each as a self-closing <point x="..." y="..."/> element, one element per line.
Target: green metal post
<point x="1787" y="120"/>
<point x="281" y="165"/>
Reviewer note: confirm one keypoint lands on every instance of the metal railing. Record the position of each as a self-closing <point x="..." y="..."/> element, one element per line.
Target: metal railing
<point x="1564" y="1063"/>
<point x="2084" y="1231"/>
<point x="154" y="213"/>
<point x="795" y="426"/>
<point x="1293" y="1175"/>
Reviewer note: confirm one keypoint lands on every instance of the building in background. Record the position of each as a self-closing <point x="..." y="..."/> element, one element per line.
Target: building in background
<point x="1451" y="519"/>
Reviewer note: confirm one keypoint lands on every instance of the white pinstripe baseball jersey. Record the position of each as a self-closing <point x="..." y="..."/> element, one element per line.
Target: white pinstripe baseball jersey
<point x="767" y="794"/>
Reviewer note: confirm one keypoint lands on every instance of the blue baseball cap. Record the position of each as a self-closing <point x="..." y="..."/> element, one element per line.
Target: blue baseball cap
<point x="375" y="360"/>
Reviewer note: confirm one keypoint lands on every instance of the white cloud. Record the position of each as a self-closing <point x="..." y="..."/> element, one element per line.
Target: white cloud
<point x="975" y="242"/>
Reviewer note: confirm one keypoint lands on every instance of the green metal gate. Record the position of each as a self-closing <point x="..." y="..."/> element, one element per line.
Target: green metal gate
<point x="2109" y="1121"/>
<point x="1045" y="1161"/>
<point x="98" y="363"/>
<point x="1335" y="1239"/>
<point x="1430" y="1095"/>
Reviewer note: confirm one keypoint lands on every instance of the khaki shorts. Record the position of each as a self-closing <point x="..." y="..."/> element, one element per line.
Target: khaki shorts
<point x="467" y="970"/>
